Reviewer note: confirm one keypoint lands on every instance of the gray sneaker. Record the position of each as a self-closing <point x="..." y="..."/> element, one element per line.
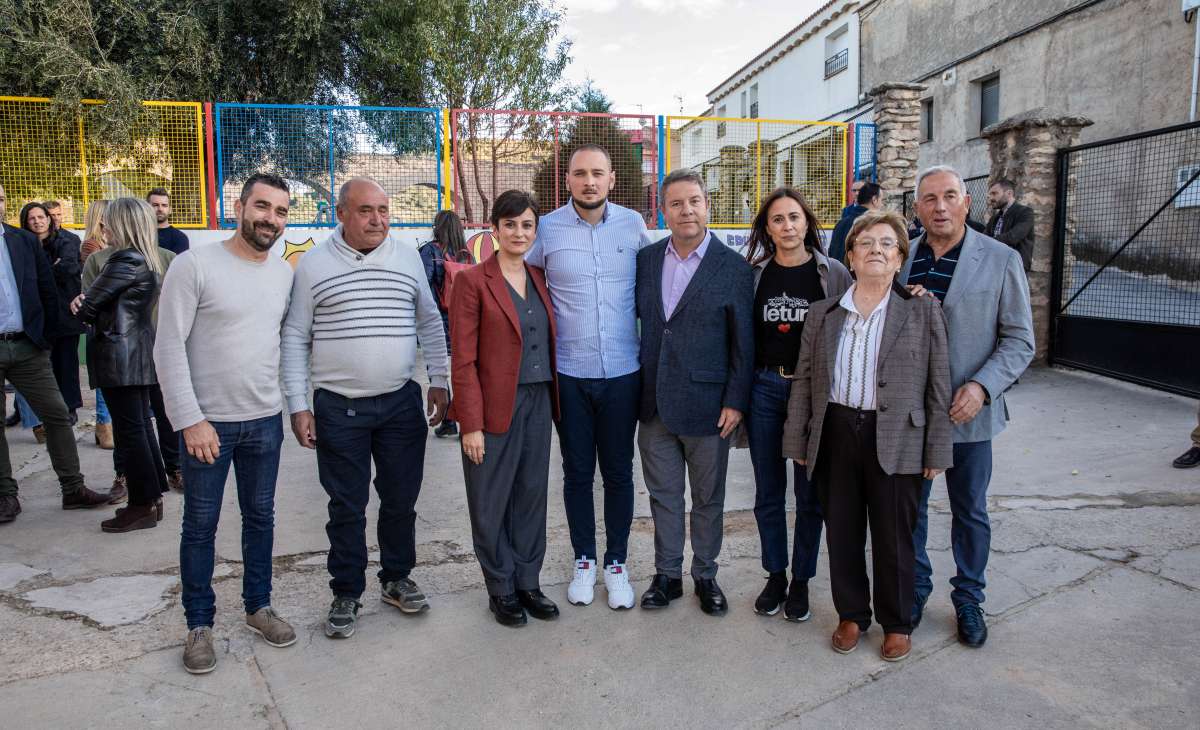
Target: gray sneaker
<point x="343" y="613"/>
<point x="404" y="595"/>
<point x="198" y="654"/>
<point x="274" y="630"/>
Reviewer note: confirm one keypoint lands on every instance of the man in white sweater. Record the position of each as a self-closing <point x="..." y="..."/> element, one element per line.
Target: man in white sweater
<point x="360" y="306"/>
<point x="217" y="356"/>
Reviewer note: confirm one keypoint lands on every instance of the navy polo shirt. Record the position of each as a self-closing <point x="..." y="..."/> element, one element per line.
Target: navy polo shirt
<point x="934" y="274"/>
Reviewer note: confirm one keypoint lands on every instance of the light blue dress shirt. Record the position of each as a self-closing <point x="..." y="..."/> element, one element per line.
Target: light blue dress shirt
<point x="10" y="297"/>
<point x="591" y="272"/>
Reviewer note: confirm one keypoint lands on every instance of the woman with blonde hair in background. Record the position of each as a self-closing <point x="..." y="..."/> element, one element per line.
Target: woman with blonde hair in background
<point x="93" y="240"/>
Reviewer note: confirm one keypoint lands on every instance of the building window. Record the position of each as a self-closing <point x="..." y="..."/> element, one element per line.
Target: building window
<point x="744" y="109"/>
<point x="927" y="120"/>
<point x="989" y="101"/>
<point x="837" y="51"/>
<point x="754" y="101"/>
<point x="721" y="112"/>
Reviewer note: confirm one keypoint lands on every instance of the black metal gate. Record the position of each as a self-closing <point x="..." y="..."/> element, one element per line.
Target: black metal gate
<point x="1125" y="292"/>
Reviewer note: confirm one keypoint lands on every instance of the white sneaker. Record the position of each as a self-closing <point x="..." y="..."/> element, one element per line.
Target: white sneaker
<point x="582" y="591"/>
<point x="616" y="581"/>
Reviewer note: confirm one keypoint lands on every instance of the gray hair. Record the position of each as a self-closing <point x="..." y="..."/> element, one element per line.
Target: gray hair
<point x="683" y="174"/>
<point x="942" y="169"/>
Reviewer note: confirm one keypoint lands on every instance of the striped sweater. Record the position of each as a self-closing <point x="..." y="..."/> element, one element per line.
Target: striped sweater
<point x="355" y="321"/>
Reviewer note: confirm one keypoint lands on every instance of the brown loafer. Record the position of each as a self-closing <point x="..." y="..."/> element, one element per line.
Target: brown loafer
<point x="83" y="498"/>
<point x="845" y="639"/>
<point x="896" y="647"/>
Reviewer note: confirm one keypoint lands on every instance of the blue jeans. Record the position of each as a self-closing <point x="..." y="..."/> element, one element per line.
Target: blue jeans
<point x="970" y="531"/>
<point x="102" y="414"/>
<point x="764" y="426"/>
<point x="252" y="447"/>
<point x="599" y="418"/>
<point x="29" y="419"/>
<point x="389" y="429"/>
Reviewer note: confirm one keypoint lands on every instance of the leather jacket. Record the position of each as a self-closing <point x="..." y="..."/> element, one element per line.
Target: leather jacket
<point x="118" y="305"/>
<point x="62" y="251"/>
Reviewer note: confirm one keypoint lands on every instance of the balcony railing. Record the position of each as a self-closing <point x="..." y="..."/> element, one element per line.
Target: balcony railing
<point x="837" y="63"/>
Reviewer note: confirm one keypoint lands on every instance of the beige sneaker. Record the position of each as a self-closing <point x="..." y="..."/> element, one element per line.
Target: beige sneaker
<point x="274" y="630"/>
<point x="198" y="654"/>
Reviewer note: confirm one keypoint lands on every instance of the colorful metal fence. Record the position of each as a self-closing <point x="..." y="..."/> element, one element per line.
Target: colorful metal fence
<point x="493" y="150"/>
<point x="864" y="152"/>
<point x="49" y="154"/>
<point x="318" y="148"/>
<point x="742" y="160"/>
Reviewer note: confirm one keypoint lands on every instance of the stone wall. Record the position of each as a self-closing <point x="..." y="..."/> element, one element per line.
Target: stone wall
<point x="897" y="128"/>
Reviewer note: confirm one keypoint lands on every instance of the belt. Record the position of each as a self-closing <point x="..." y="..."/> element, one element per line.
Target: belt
<point x="781" y="371"/>
<point x="10" y="336"/>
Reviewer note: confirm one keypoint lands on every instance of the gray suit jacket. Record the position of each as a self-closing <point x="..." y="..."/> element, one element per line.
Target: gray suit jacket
<point x="990" y="325"/>
<point x="702" y="359"/>
<point x="912" y="426"/>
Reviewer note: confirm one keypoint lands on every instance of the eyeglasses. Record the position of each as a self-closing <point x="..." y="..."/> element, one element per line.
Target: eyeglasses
<point x="887" y="244"/>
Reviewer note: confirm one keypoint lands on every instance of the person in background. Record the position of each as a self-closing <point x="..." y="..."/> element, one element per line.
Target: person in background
<point x="449" y="243"/>
<point x="119" y="304"/>
<point x="790" y="273"/>
<point x="1191" y="457"/>
<point x="869" y="418"/>
<point x="63" y="254"/>
<point x="870" y="197"/>
<point x="1011" y="223"/>
<point x="95" y="239"/>
<point x="58" y="215"/>
<point x="169" y="237"/>
<point x="506" y="396"/>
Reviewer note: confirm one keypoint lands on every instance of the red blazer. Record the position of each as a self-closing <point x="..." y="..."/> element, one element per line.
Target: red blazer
<point x="485" y="342"/>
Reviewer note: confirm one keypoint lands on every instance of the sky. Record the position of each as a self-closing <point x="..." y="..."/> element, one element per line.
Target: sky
<point x="656" y="56"/>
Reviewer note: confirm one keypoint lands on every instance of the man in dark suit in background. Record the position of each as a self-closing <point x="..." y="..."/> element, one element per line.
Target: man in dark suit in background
<point x="694" y="298"/>
<point x="28" y="318"/>
<point x="1012" y="223"/>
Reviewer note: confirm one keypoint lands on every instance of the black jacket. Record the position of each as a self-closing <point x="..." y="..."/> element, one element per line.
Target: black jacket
<point x="1017" y="231"/>
<point x="837" y="240"/>
<point x="62" y="251"/>
<point x="35" y="286"/>
<point x="118" y="305"/>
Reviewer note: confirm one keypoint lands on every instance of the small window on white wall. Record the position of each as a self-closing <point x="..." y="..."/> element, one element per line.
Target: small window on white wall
<point x="927" y="120"/>
<point x="754" y="101"/>
<point x="837" y="51"/>
<point x="745" y="110"/>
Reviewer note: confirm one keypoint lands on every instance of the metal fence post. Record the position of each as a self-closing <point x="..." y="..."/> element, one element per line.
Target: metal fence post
<point x="662" y="163"/>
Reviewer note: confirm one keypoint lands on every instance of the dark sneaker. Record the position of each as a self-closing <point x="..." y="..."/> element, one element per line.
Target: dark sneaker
<point x="343" y="615"/>
<point x="198" y="654"/>
<point x="773" y="595"/>
<point x="1188" y="459"/>
<point x="268" y="624"/>
<point x="84" y="498"/>
<point x="10" y="507"/>
<point x="404" y="595"/>
<point x="446" y="430"/>
<point x="972" y="629"/>
<point x="795" y="608"/>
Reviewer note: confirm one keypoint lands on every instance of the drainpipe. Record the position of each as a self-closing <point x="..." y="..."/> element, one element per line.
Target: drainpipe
<point x="1195" y="66"/>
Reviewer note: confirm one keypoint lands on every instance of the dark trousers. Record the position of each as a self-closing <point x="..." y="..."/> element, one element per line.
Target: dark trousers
<point x="64" y="359"/>
<point x="27" y="367"/>
<point x="764" y="427"/>
<point x="135" y="442"/>
<point x="389" y="429"/>
<point x="252" y="447"/>
<point x="970" y="530"/>
<point x="168" y="439"/>
<point x="856" y="492"/>
<point x="506" y="495"/>
<point x="599" y="419"/>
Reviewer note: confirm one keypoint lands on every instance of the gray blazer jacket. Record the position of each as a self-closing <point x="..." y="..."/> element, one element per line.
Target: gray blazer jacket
<point x="912" y="426"/>
<point x="990" y="325"/>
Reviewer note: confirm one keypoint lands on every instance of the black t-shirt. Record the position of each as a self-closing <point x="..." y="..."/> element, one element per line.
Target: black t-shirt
<point x="172" y="239"/>
<point x="780" y="308"/>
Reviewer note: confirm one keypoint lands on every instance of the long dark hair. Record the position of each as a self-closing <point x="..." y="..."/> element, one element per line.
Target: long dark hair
<point x="760" y="247"/>
<point x="448" y="233"/>
<point x="51" y="231"/>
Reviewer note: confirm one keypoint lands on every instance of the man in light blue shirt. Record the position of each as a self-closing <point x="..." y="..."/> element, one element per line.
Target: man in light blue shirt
<point x="589" y="250"/>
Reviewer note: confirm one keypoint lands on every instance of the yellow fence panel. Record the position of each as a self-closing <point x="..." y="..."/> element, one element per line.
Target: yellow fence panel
<point x="743" y="160"/>
<point x="48" y="156"/>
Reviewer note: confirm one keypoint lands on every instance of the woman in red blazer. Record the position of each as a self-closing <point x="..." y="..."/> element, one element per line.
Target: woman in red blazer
<point x="505" y="399"/>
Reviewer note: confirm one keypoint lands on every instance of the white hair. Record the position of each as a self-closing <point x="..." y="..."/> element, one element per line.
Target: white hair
<point x="938" y="170"/>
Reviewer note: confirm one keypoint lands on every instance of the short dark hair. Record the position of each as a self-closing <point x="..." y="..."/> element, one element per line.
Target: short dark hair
<point x="589" y="147"/>
<point x="867" y="193"/>
<point x="51" y="204"/>
<point x="160" y="192"/>
<point x="266" y="178"/>
<point x="512" y="203"/>
<point x="1005" y="184"/>
<point x="683" y="174"/>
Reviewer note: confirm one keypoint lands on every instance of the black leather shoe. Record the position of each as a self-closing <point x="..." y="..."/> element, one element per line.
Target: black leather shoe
<point x="537" y="604"/>
<point x="712" y="600"/>
<point x="795" y="609"/>
<point x="662" y="591"/>
<point x="972" y="629"/>
<point x="918" y="612"/>
<point x="1188" y="459"/>
<point x="10" y="507"/>
<point x="508" y="610"/>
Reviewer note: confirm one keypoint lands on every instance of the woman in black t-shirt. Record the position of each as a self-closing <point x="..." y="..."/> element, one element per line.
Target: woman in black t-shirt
<point x="791" y="273"/>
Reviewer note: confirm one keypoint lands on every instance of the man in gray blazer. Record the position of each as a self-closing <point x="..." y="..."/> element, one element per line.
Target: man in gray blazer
<point x="985" y="295"/>
<point x="694" y="298"/>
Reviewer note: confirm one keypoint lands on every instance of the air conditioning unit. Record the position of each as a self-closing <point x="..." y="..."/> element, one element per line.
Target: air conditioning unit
<point x="1190" y="197"/>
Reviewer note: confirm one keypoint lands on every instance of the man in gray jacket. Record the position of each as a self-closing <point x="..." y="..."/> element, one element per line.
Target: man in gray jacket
<point x="984" y="293"/>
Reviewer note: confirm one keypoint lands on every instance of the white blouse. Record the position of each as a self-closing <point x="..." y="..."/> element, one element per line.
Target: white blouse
<point x="856" y="364"/>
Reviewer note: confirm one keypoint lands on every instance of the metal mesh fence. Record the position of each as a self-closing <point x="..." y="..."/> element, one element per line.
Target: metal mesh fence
<point x="1114" y="192"/>
<point x="318" y="148"/>
<point x="49" y="154"/>
<point x="492" y="151"/>
<point x="743" y="160"/>
<point x="864" y="152"/>
<point x="977" y="188"/>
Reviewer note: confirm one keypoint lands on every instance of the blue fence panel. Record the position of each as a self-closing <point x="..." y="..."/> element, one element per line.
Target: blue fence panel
<point x="864" y="152"/>
<point x="318" y="148"/>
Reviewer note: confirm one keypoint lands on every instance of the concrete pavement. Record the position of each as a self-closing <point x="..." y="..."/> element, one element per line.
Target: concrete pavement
<point x="1093" y="585"/>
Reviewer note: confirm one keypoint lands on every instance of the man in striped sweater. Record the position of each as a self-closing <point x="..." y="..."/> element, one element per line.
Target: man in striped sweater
<point x="360" y="306"/>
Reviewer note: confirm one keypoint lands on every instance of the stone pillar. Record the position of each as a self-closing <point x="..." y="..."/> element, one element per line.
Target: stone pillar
<point x="897" y="140"/>
<point x="1024" y="149"/>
